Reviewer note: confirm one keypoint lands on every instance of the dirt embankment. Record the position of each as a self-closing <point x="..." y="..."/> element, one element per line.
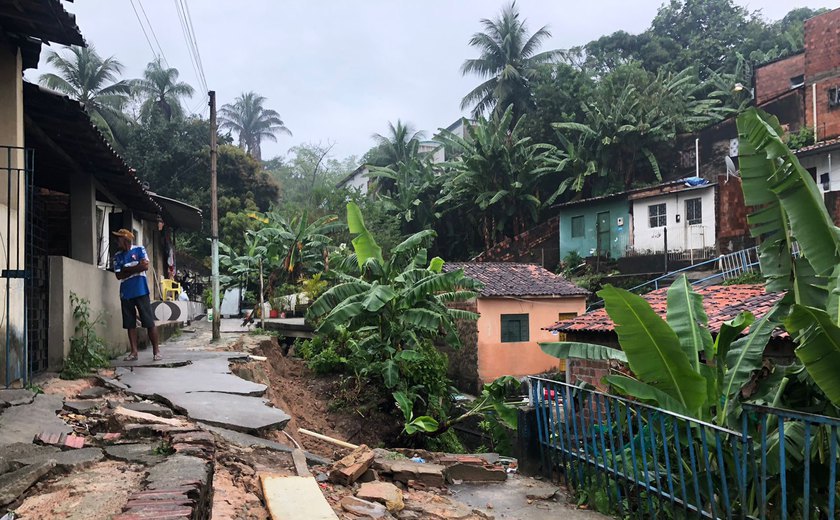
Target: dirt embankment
<point x="313" y="401"/>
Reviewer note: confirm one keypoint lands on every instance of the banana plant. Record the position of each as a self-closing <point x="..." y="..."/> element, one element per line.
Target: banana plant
<point x="792" y="214"/>
<point x="664" y="355"/>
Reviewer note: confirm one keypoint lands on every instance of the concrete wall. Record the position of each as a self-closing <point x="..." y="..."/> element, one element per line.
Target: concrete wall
<point x="681" y="235"/>
<point x="775" y="78"/>
<point x="100" y="287"/>
<point x="497" y="359"/>
<point x="12" y="212"/>
<point x="588" y="243"/>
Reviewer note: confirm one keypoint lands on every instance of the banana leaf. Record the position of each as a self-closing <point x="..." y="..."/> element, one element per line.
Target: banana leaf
<point x="687" y="318"/>
<point x="819" y="347"/>
<point x="575" y="350"/>
<point x="653" y="349"/>
<point x="364" y="244"/>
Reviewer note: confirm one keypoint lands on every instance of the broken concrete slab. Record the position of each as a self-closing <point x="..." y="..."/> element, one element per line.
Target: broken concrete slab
<point x="140" y="453"/>
<point x="293" y="498"/>
<point x="206" y="375"/>
<point x="384" y="493"/>
<point x="166" y="362"/>
<point x="16" y="396"/>
<point x="469" y="468"/>
<point x="404" y="470"/>
<point x="21" y="423"/>
<point x="151" y="408"/>
<point x="20" y="449"/>
<point x="365" y="509"/>
<point x="94" y="392"/>
<point x="82" y="406"/>
<point x="299" y="460"/>
<point x="244" y="440"/>
<point x="111" y="383"/>
<point x="66" y="459"/>
<point x="178" y="471"/>
<point x="235" y="412"/>
<point x="15" y="483"/>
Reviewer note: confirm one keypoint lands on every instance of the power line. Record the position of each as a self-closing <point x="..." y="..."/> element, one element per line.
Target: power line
<point x="152" y="29"/>
<point x="189" y="37"/>
<point x="195" y="42"/>
<point x="154" y="53"/>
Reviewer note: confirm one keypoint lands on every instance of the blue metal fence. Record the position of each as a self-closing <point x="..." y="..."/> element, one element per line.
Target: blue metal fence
<point x="644" y="462"/>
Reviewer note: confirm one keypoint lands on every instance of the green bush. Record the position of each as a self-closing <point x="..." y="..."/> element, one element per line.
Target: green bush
<point x="87" y="349"/>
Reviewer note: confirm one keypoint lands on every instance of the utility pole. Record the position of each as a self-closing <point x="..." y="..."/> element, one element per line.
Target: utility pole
<point x="214" y="216"/>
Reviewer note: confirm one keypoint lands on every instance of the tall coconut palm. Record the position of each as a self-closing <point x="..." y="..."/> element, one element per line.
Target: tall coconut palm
<point x="399" y="146"/>
<point x="509" y="60"/>
<point x="252" y="122"/>
<point x="84" y="76"/>
<point x="162" y="90"/>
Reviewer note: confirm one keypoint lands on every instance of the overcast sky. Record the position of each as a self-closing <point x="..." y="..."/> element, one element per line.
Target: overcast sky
<point x="338" y="71"/>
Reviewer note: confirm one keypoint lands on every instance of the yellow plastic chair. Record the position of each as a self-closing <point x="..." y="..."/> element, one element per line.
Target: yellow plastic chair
<point x="170" y="289"/>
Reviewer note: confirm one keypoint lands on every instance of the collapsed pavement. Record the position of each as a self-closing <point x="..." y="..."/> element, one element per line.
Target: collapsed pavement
<point x="162" y="440"/>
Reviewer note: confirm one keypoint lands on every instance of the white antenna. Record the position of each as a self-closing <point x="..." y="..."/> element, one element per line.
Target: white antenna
<point x="730" y="168"/>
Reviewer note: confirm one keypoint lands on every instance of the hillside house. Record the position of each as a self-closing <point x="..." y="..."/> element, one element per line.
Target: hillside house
<point x="721" y="303"/>
<point x="69" y="190"/>
<point x="515" y="303"/>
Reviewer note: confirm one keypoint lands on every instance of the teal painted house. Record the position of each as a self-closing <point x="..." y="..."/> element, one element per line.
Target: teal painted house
<point x="600" y="225"/>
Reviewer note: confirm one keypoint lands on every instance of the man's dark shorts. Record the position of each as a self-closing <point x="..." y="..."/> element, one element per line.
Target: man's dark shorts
<point x="143" y="306"/>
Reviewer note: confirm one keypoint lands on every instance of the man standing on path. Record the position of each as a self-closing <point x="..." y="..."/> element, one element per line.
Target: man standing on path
<point x="130" y="265"/>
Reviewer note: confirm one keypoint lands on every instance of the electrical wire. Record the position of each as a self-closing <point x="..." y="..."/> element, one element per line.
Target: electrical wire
<point x="188" y="31"/>
<point x="143" y="28"/>
<point x="152" y="29"/>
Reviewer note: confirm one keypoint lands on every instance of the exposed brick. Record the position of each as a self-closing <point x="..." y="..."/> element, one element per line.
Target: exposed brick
<point x="74" y="441"/>
<point x="774" y="78"/>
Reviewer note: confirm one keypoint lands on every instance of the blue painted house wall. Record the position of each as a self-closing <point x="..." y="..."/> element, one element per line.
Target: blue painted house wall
<point x="586" y="245"/>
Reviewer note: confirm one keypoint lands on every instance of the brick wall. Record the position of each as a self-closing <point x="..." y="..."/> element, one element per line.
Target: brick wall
<point x="463" y="362"/>
<point x="832" y="203"/>
<point x="774" y="78"/>
<point x="538" y="245"/>
<point x="588" y="371"/>
<point x="733" y="232"/>
<point x="822" y="66"/>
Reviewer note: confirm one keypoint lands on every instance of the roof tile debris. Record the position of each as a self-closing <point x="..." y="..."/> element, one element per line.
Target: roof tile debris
<point x="721" y="302"/>
<point x="514" y="279"/>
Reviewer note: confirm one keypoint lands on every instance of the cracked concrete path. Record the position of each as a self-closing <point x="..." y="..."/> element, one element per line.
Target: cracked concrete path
<point x="196" y="380"/>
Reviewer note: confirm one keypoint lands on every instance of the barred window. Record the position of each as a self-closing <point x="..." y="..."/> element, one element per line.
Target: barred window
<point x="657" y="216"/>
<point x="694" y="211"/>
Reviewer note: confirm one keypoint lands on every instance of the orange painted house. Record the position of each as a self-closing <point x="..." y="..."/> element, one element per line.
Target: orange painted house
<point x="514" y="305"/>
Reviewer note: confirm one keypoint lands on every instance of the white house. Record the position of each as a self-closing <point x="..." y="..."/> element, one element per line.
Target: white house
<point x="681" y="219"/>
<point x="356" y="180"/>
<point x="821" y="160"/>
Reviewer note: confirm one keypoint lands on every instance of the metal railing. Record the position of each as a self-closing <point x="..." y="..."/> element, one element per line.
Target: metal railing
<point x="640" y="461"/>
<point x="729" y="266"/>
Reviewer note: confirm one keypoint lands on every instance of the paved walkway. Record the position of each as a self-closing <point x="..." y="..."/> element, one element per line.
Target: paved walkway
<point x="195" y="379"/>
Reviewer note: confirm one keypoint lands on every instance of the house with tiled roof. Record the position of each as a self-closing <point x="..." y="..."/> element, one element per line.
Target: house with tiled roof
<point x="514" y="305"/>
<point x="721" y="303"/>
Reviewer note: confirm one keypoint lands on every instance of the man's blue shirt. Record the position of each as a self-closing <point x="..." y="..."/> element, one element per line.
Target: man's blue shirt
<point x="135" y="285"/>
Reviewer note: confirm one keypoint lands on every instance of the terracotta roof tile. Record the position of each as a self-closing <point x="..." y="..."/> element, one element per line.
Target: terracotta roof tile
<point x="512" y="279"/>
<point x="721" y="302"/>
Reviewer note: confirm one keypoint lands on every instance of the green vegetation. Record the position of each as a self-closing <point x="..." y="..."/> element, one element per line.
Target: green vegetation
<point x="87" y="349"/>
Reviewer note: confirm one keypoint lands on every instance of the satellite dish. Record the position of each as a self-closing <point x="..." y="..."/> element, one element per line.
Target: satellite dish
<point x="730" y="168"/>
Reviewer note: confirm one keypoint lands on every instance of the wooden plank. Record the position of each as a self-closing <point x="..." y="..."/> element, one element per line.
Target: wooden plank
<point x="295" y="498"/>
<point x="299" y="459"/>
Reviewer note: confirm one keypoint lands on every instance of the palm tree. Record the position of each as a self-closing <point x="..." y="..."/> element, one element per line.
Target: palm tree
<point x="252" y="122"/>
<point x="509" y="60"/>
<point x="162" y="90"/>
<point x="84" y="76"/>
<point x="399" y="146"/>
